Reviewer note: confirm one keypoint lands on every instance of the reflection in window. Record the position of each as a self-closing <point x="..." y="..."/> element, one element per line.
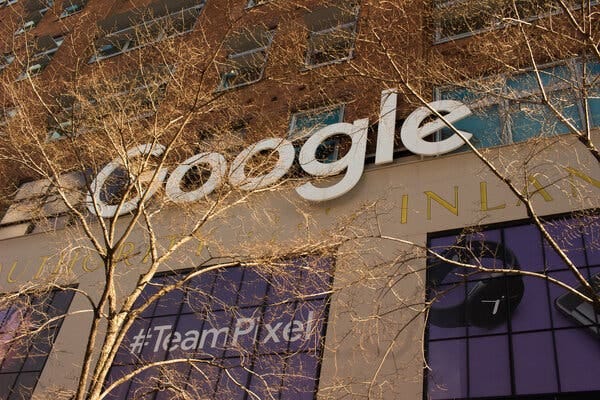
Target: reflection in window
<point x="456" y="19"/>
<point x="249" y="330"/>
<point x="506" y="336"/>
<point x="70" y="7"/>
<point x="45" y="47"/>
<point x="332" y="32"/>
<point x="23" y="354"/>
<point x="510" y="109"/>
<point x="135" y="29"/>
<point x="246" y="59"/>
<point x="36" y="10"/>
<point x="305" y="123"/>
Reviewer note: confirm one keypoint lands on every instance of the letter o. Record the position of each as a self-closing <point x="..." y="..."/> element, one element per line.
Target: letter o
<point x="109" y="211"/>
<point x="218" y="167"/>
<point x="286" y="152"/>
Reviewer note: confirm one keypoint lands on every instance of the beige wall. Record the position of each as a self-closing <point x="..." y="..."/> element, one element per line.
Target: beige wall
<point x="365" y="352"/>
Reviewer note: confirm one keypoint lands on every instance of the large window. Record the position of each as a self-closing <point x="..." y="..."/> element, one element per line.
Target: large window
<point x="136" y="96"/>
<point x="305" y="123"/>
<point x="456" y="19"/>
<point x="246" y="59"/>
<point x="508" y="109"/>
<point x="509" y="337"/>
<point x="332" y="32"/>
<point x="135" y="29"/>
<point x="28" y="327"/>
<point x="35" y="12"/>
<point x="44" y="49"/>
<point x="252" y="332"/>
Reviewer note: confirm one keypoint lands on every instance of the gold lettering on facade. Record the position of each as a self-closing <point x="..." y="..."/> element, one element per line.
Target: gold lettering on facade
<point x="453" y="208"/>
<point x="85" y="263"/>
<point x="404" y="210"/>
<point x="126" y="251"/>
<point x="10" y="279"/>
<point x="573" y="173"/>
<point x="40" y="269"/>
<point x="539" y="189"/>
<point x="483" y="195"/>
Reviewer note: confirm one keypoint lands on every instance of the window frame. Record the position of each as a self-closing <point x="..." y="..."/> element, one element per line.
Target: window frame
<point x="261" y="48"/>
<point x="239" y="295"/>
<point x="38" y="67"/>
<point x="256" y="3"/>
<point x="505" y="99"/>
<point x="301" y="134"/>
<point x="440" y="5"/>
<point x="66" y="12"/>
<point x="145" y="25"/>
<point x="336" y="27"/>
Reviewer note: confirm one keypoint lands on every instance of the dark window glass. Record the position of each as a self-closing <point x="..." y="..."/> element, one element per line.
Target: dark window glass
<point x="511" y="337"/>
<point x="247" y="330"/>
<point x="28" y="327"/>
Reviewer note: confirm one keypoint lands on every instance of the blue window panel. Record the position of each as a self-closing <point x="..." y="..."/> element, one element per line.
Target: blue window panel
<point x="550" y="77"/>
<point x="593" y="79"/>
<point x="311" y="121"/>
<point x="534" y="120"/>
<point x="485" y="124"/>
<point x="529" y="118"/>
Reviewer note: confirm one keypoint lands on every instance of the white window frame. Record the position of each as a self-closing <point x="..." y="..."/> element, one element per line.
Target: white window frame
<point x="142" y="26"/>
<point x="7" y="3"/>
<point x="256" y="3"/>
<point x="7" y="60"/>
<point x="37" y="68"/>
<point x="231" y="70"/>
<point x="350" y="26"/>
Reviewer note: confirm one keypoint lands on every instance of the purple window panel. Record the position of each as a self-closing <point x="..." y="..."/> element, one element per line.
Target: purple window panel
<point x="233" y="383"/>
<point x="447" y="377"/>
<point x="489" y="366"/>
<point x="569" y="240"/>
<point x="534" y="363"/>
<point x="226" y="287"/>
<point x="267" y="377"/>
<point x="198" y="293"/>
<point x="448" y="296"/>
<point x="578" y="354"/>
<point x="254" y="288"/>
<point x="540" y="361"/>
<point x="525" y="243"/>
<point x="300" y="380"/>
<point x="534" y="310"/>
<point x="276" y="318"/>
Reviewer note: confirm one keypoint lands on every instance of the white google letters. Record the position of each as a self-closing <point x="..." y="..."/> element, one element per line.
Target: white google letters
<point x="412" y="134"/>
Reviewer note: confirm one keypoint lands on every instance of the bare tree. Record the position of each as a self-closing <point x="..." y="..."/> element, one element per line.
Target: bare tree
<point x="100" y="141"/>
